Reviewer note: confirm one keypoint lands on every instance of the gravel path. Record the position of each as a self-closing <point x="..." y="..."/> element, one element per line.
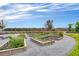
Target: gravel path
<point x="60" y="48"/>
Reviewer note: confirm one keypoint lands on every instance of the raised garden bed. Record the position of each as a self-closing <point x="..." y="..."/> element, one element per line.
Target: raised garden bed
<point x="42" y="43"/>
<point x="13" y="46"/>
<point x="45" y="38"/>
<point x="55" y="38"/>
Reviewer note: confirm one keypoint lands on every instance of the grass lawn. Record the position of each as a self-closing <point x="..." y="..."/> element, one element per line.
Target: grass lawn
<point x="75" y="50"/>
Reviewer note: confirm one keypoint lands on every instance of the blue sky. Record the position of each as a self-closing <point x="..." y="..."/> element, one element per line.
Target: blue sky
<point x="35" y="14"/>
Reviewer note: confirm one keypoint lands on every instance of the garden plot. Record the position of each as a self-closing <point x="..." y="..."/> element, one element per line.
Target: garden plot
<point x="15" y="44"/>
<point x="44" y="38"/>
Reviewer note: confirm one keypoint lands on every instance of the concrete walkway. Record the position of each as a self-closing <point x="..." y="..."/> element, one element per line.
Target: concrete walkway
<point x="3" y="41"/>
<point x="60" y="48"/>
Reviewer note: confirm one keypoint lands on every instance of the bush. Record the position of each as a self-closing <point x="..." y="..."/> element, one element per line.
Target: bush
<point x="16" y="42"/>
<point x="61" y="34"/>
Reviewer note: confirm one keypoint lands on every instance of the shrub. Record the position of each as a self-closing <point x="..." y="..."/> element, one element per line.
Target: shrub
<point x="70" y="27"/>
<point x="61" y="34"/>
<point x="77" y="26"/>
<point x="16" y="42"/>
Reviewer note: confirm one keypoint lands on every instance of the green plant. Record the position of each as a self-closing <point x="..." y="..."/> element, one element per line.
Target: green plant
<point x="70" y="27"/>
<point x="16" y="42"/>
<point x="43" y="35"/>
<point x="21" y="35"/>
<point x="77" y="26"/>
<point x="61" y="34"/>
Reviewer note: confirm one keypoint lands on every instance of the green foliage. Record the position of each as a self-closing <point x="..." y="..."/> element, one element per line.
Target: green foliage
<point x="73" y="30"/>
<point x="76" y="29"/>
<point x="43" y="35"/>
<point x="69" y="27"/>
<point x="77" y="26"/>
<point x="16" y="42"/>
<point x="75" y="50"/>
<point x="21" y="35"/>
<point x="61" y="34"/>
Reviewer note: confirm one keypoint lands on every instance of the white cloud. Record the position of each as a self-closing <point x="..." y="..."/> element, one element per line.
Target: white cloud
<point x="43" y="10"/>
<point x="23" y="7"/>
<point x="28" y="7"/>
<point x="7" y="12"/>
<point x="17" y="16"/>
<point x="58" y="7"/>
<point x="2" y="4"/>
<point x="65" y="7"/>
<point x="19" y="10"/>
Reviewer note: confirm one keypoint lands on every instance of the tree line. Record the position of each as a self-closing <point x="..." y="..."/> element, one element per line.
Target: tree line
<point x="48" y="26"/>
<point x="75" y="28"/>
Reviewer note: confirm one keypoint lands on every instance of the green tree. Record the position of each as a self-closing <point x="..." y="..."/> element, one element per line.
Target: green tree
<point x="49" y="25"/>
<point x="70" y="27"/>
<point x="77" y="26"/>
